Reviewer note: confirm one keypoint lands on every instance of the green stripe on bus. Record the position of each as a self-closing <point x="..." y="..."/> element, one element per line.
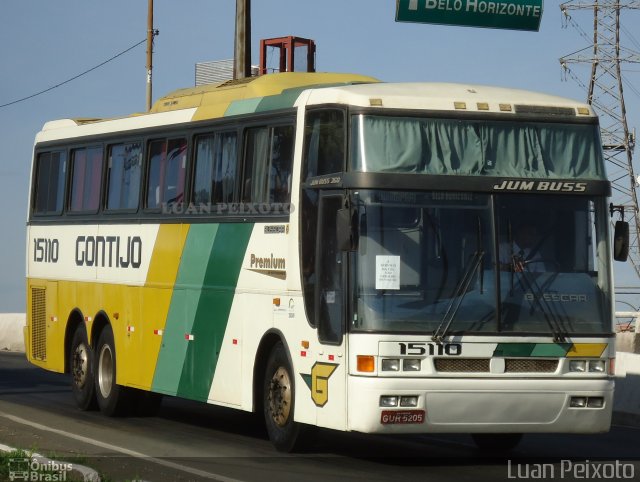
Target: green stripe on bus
<point x="186" y="294"/>
<point x="213" y="309"/>
<point x="531" y="350"/>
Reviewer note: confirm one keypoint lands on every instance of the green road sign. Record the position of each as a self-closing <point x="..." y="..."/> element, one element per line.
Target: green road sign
<point x="509" y="14"/>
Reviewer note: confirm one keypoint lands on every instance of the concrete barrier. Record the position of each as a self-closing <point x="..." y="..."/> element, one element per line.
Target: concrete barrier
<point x="11" y="331"/>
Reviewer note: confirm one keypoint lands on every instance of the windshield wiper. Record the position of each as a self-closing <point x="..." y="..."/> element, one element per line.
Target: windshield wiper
<point x="458" y="296"/>
<point x="537" y="292"/>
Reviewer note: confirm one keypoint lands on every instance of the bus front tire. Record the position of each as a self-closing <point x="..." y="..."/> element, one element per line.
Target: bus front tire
<point x="81" y="362"/>
<point x="279" y="401"/>
<point x="113" y="399"/>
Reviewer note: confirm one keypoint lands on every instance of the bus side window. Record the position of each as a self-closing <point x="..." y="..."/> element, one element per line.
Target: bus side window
<point x="49" y="183"/>
<point x="324" y="143"/>
<point x="123" y="176"/>
<point x="216" y="163"/>
<point x="329" y="268"/>
<point x="166" y="172"/>
<point x="86" y="179"/>
<point x="268" y="164"/>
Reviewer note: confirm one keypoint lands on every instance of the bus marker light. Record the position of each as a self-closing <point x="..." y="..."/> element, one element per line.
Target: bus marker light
<point x="460" y="105"/>
<point x="331" y="358"/>
<point x="188" y="337"/>
<point x="612" y="366"/>
<point x="234" y="341"/>
<point x="409" y="401"/>
<point x="54" y="318"/>
<point x="482" y="105"/>
<point x="583" y="111"/>
<point x="276" y="301"/>
<point x="375" y="102"/>
<point x="388" y="401"/>
<point x="87" y="319"/>
<point x="390" y="365"/>
<point x="116" y="316"/>
<point x="578" y="402"/>
<point x="303" y="353"/>
<point x="305" y="344"/>
<point x="366" y="363"/>
<point x="131" y="329"/>
<point x="157" y="332"/>
<point x="505" y="107"/>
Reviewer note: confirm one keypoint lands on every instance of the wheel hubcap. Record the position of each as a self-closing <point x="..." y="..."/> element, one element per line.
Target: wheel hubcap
<point x="80" y="365"/>
<point x="105" y="371"/>
<point x="280" y="397"/>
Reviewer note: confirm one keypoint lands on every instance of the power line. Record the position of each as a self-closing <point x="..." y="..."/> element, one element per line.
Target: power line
<point x="72" y="78"/>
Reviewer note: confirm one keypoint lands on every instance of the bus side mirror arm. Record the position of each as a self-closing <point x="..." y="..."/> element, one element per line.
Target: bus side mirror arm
<point x="344" y="230"/>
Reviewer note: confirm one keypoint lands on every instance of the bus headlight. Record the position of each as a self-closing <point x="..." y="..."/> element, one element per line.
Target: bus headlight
<point x="411" y="365"/>
<point x="388" y="401"/>
<point x="390" y="365"/>
<point x="597" y="366"/>
<point x="409" y="401"/>
<point x="578" y="366"/>
<point x="578" y="402"/>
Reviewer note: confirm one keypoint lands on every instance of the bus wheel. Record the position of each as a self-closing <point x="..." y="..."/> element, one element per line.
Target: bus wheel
<point x="81" y="366"/>
<point x="278" y="401"/>
<point x="496" y="442"/>
<point x="112" y="399"/>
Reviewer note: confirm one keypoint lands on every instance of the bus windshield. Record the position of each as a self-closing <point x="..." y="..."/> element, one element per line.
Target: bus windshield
<point x="476" y="147"/>
<point x="480" y="263"/>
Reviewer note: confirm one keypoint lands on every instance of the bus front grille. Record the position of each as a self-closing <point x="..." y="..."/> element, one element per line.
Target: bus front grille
<point x="462" y="365"/>
<point x="482" y="365"/>
<point x="39" y="323"/>
<point x="530" y="365"/>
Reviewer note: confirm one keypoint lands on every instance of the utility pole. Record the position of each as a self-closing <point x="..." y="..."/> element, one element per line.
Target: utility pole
<point x="150" y="34"/>
<point x="605" y="57"/>
<point x="242" y="51"/>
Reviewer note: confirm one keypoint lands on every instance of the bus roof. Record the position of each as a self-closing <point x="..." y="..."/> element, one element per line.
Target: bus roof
<point x="282" y="90"/>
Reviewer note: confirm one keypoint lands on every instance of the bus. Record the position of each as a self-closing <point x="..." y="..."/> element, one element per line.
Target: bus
<point x="329" y="250"/>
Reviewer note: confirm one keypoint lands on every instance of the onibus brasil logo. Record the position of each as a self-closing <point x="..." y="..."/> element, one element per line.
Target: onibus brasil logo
<point x="32" y="469"/>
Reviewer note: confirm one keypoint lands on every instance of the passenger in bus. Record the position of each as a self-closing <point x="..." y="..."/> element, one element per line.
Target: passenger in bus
<point x="523" y="252"/>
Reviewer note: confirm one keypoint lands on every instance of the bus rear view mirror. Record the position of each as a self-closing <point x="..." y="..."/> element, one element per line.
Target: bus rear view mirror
<point x="621" y="241"/>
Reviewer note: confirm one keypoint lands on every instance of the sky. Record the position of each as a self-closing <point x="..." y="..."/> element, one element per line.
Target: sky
<point x="44" y="43"/>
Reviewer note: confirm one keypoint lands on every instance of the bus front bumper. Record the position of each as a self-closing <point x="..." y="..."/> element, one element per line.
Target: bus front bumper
<point x="465" y="405"/>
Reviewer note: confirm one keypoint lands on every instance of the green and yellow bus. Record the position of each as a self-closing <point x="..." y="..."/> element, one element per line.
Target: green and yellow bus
<point x="332" y="251"/>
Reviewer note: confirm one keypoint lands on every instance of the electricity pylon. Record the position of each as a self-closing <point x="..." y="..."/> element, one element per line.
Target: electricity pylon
<point x="605" y="94"/>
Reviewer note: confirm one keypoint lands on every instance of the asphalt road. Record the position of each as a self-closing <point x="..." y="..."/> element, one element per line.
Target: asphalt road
<point x="192" y="441"/>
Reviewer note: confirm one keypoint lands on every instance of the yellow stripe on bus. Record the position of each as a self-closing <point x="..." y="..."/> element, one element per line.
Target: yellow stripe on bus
<point x="594" y="350"/>
<point x="141" y="346"/>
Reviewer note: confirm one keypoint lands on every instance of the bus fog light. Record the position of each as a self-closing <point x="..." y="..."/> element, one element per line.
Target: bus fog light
<point x="597" y="366"/>
<point x="388" y="401"/>
<point x="579" y="366"/>
<point x="390" y="365"/>
<point x="578" y="402"/>
<point x="411" y="365"/>
<point x="409" y="401"/>
<point x="592" y="402"/>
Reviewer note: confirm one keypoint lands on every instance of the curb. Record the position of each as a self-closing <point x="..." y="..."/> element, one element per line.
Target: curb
<point x="87" y="474"/>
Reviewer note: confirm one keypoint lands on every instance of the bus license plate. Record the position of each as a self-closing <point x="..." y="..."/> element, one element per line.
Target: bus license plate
<point x="401" y="416"/>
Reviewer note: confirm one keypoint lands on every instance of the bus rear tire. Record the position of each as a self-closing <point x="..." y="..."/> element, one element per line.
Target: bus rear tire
<point x="113" y="399"/>
<point x="496" y="442"/>
<point x="279" y="402"/>
<point x="81" y="361"/>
